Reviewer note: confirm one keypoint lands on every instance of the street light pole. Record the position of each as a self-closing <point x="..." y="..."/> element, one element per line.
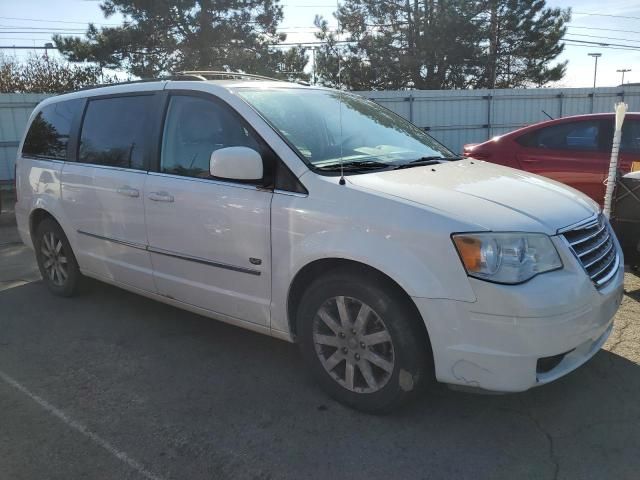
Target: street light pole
<point x="595" y="69"/>
<point x="623" y="71"/>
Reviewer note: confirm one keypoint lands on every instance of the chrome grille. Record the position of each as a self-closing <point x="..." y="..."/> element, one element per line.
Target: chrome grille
<point x="593" y="244"/>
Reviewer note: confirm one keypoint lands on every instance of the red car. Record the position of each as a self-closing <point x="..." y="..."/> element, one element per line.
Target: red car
<point x="572" y="150"/>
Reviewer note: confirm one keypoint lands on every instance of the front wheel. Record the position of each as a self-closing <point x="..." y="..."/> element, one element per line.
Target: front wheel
<point x="56" y="261"/>
<point x="362" y="341"/>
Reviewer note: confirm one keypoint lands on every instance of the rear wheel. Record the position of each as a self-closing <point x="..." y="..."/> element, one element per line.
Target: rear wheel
<point x="56" y="261"/>
<point x="362" y="341"/>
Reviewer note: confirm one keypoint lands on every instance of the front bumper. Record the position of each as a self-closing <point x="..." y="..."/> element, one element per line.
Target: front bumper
<point x="496" y="342"/>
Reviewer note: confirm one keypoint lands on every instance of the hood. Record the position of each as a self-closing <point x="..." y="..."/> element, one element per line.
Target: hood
<point x="485" y="195"/>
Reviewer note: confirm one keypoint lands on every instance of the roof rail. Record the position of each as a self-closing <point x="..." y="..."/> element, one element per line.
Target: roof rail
<point x="221" y="75"/>
<point x="127" y="82"/>
<point x="201" y="75"/>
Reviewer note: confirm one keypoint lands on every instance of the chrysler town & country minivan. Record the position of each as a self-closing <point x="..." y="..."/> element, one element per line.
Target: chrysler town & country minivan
<point x="319" y="217"/>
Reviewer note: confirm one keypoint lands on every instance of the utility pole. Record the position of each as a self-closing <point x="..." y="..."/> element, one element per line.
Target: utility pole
<point x="595" y="69"/>
<point x="313" y="67"/>
<point x="623" y="71"/>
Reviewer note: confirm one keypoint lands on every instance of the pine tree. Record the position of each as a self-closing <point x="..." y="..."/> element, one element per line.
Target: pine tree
<point x="437" y="44"/>
<point x="164" y="36"/>
<point x="394" y="44"/>
<point x="523" y="38"/>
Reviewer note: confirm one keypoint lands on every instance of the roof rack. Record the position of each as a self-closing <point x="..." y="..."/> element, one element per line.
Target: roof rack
<point x="200" y="75"/>
<point x="221" y="75"/>
<point x="126" y="82"/>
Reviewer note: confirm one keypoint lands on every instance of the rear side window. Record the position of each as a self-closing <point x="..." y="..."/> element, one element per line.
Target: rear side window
<point x="48" y="135"/>
<point x="565" y="136"/>
<point x="630" y="142"/>
<point x="116" y="131"/>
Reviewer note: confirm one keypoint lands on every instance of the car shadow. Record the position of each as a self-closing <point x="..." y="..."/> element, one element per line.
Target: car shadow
<point x="195" y="396"/>
<point x="633" y="294"/>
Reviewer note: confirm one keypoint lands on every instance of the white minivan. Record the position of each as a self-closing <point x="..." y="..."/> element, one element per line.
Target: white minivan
<point x="321" y="218"/>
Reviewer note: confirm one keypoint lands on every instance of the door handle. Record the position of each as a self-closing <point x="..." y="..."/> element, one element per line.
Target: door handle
<point x="160" y="197"/>
<point x="127" y="191"/>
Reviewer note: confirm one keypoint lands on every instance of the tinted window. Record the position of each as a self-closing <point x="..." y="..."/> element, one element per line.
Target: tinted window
<point x="195" y="127"/>
<point x="630" y="136"/>
<point x="565" y="136"/>
<point x="48" y="134"/>
<point x="116" y="131"/>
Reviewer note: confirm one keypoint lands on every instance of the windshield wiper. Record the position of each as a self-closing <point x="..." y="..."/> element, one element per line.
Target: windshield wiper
<point x="354" y="166"/>
<point x="432" y="160"/>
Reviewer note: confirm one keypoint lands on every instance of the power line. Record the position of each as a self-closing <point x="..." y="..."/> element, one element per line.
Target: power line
<point x="607" y="29"/>
<point x="601" y="46"/>
<point x="601" y="43"/>
<point x="609" y="46"/>
<point x="54" y="21"/>
<point x="606" y="15"/>
<point x="606" y="38"/>
<point x="36" y="29"/>
<point x="53" y="33"/>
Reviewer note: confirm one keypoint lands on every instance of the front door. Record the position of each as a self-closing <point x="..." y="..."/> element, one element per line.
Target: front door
<point x="209" y="238"/>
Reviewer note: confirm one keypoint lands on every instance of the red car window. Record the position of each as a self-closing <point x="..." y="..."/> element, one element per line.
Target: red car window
<point x="582" y="135"/>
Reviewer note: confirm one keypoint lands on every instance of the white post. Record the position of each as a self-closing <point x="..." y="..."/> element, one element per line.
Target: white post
<point x="621" y="110"/>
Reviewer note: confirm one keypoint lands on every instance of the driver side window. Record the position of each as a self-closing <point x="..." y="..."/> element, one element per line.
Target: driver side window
<point x="194" y="128"/>
<point x="582" y="135"/>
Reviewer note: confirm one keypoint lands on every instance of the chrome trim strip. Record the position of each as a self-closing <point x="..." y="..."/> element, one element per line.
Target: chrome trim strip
<point x="109" y="167"/>
<point x="209" y="181"/>
<point x="604" y="255"/>
<point x="170" y="253"/>
<point x="291" y="194"/>
<point x="590" y="236"/>
<point x="611" y="274"/>
<point x="579" y="225"/>
<point x="139" y="246"/>
<point x="203" y="261"/>
<point x="595" y="247"/>
<point x="605" y="268"/>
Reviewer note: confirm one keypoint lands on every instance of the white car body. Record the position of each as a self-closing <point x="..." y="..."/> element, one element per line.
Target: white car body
<point x="232" y="252"/>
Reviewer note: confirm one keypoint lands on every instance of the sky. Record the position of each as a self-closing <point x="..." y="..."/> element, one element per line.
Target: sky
<point x="29" y="23"/>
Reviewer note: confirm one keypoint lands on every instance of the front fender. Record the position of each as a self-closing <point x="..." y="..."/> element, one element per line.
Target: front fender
<point x="410" y="246"/>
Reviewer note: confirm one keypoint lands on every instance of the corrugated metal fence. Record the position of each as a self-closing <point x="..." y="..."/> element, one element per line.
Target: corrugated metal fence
<point x="454" y="117"/>
<point x="14" y="114"/>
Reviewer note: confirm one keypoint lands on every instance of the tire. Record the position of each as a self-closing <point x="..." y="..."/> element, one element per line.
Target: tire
<point x="56" y="261"/>
<point x="398" y="357"/>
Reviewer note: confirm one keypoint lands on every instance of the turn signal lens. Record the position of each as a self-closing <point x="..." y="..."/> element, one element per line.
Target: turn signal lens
<point x="469" y="250"/>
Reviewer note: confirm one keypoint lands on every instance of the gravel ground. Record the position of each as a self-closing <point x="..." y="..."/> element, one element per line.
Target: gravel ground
<point x="112" y="385"/>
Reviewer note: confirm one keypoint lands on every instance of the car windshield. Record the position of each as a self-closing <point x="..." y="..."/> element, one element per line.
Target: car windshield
<point x="368" y="135"/>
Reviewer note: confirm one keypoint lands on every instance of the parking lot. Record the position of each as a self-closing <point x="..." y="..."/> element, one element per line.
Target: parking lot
<point x="112" y="385"/>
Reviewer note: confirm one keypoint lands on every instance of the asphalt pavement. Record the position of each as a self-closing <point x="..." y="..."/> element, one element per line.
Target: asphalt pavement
<point x="110" y="385"/>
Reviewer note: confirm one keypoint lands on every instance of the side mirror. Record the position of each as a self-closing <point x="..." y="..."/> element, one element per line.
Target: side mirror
<point x="236" y="163"/>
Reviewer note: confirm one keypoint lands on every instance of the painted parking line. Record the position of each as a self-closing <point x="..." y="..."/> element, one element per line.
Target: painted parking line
<point x="56" y="412"/>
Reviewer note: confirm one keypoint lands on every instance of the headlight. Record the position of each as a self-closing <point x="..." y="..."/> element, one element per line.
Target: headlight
<point x="506" y="257"/>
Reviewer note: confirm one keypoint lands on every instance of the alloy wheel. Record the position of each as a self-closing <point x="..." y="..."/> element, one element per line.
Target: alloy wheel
<point x="353" y="344"/>
<point x="54" y="261"/>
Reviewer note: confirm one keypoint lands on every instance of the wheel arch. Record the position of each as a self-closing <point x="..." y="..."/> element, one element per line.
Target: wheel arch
<point x="37" y="216"/>
<point x="320" y="267"/>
